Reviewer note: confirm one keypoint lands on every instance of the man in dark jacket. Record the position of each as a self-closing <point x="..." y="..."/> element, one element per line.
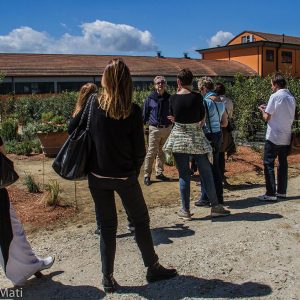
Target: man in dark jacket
<point x="156" y="110"/>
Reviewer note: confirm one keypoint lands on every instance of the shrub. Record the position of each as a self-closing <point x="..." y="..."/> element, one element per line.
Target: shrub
<point x="31" y="185"/>
<point x="10" y="146"/>
<point x="51" y="127"/>
<point x="36" y="146"/>
<point x="29" y="131"/>
<point x="23" y="148"/>
<point x="52" y="193"/>
<point x="9" y="129"/>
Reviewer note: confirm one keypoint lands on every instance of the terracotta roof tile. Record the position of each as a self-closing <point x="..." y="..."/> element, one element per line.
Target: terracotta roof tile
<point x="278" y="38"/>
<point x="93" y="65"/>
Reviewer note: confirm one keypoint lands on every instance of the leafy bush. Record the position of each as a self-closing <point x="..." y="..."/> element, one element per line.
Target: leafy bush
<point x="10" y="146"/>
<point x="9" y="129"/>
<point x="36" y="146"/>
<point x="29" y="131"/>
<point x="23" y="148"/>
<point x="31" y="185"/>
<point x="51" y="127"/>
<point x="51" y="123"/>
<point x="30" y="108"/>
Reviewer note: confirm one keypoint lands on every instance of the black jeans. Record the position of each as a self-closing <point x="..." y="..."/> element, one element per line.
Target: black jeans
<point x="215" y="141"/>
<point x="130" y="192"/>
<point x="222" y="165"/>
<point x="272" y="151"/>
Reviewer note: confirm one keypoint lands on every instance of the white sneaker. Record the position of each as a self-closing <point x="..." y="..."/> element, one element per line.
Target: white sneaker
<point x="267" y="198"/>
<point x="47" y="263"/>
<point x="281" y="196"/>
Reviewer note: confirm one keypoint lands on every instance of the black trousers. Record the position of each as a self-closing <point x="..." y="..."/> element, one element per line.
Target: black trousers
<point x="130" y="192"/>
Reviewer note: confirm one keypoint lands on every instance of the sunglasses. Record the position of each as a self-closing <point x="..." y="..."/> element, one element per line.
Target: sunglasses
<point x="160" y="82"/>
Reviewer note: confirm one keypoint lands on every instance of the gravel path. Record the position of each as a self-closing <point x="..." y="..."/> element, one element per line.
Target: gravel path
<point x="252" y="254"/>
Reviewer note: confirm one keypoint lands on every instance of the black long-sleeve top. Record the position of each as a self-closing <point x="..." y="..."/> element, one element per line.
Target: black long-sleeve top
<point x="187" y="108"/>
<point x="118" y="146"/>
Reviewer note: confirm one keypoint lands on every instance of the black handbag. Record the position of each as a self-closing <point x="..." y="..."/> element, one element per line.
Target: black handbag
<point x="8" y="174"/>
<point x="294" y="147"/>
<point x="231" y="125"/>
<point x="71" y="161"/>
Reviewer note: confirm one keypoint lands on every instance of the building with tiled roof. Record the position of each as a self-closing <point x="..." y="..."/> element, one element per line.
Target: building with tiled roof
<point x="265" y="53"/>
<point x="50" y="73"/>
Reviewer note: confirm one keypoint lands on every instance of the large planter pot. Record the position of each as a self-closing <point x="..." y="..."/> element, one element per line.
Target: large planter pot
<point x="52" y="142"/>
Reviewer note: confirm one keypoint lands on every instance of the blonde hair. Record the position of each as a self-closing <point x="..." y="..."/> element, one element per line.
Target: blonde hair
<point x="206" y="82"/>
<point x="116" y="98"/>
<point x="85" y="91"/>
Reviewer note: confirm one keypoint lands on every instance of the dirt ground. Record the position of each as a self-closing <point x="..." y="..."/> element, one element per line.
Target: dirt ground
<point x="252" y="254"/>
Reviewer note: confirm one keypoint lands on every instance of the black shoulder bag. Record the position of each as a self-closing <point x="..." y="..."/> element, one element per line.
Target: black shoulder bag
<point x="231" y="125"/>
<point x="71" y="161"/>
<point x="8" y="174"/>
<point x="294" y="147"/>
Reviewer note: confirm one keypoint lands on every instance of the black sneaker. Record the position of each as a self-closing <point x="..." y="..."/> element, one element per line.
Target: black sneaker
<point x="130" y="228"/>
<point x="202" y="203"/>
<point x="158" y="272"/>
<point x="147" y="181"/>
<point x="219" y="211"/>
<point x="162" y="177"/>
<point x="97" y="231"/>
<point x="109" y="283"/>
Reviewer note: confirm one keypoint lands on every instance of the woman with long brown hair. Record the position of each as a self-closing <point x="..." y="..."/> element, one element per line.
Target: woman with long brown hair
<point x="85" y="92"/>
<point x="117" y="155"/>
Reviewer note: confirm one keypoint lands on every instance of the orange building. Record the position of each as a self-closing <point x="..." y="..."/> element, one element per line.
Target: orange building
<point x="265" y="53"/>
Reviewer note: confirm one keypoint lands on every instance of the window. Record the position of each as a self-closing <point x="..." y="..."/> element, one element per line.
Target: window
<point x="23" y="87"/>
<point x="248" y="39"/>
<point x="286" y="57"/>
<point x="6" y="88"/>
<point x="34" y="87"/>
<point x="69" y="86"/>
<point x="269" y="55"/>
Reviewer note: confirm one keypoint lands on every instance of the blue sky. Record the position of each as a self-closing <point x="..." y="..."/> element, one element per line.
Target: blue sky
<point x="137" y="27"/>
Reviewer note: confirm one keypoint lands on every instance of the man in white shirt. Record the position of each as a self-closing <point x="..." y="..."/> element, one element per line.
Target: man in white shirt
<point x="279" y="113"/>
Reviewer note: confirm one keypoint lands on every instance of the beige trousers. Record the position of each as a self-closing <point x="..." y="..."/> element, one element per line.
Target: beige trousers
<point x="157" y="138"/>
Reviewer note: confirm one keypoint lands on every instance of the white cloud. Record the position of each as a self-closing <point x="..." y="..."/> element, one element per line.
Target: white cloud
<point x="220" y="39"/>
<point x="99" y="37"/>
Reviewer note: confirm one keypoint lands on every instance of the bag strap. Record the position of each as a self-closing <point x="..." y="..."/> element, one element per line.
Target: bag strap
<point x="217" y="110"/>
<point x="296" y="118"/>
<point x="207" y="112"/>
<point x="90" y="111"/>
<point x="86" y="108"/>
<point x="206" y="108"/>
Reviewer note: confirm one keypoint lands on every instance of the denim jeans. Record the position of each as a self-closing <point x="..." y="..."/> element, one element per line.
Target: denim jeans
<point x="182" y="163"/>
<point x="216" y="142"/>
<point x="132" y="198"/>
<point x="272" y="151"/>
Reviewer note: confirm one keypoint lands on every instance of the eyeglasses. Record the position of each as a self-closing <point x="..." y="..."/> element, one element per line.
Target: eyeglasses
<point x="160" y="82"/>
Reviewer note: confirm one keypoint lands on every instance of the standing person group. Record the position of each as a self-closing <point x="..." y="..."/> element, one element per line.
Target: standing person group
<point x="17" y="258"/>
<point x="187" y="139"/>
<point x="118" y="152"/>
<point x="279" y="114"/>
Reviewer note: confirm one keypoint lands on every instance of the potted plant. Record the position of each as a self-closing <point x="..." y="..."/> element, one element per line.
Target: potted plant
<point x="52" y="132"/>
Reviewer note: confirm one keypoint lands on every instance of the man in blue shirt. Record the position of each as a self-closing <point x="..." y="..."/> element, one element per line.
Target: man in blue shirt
<point x="215" y="119"/>
<point x="155" y="112"/>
